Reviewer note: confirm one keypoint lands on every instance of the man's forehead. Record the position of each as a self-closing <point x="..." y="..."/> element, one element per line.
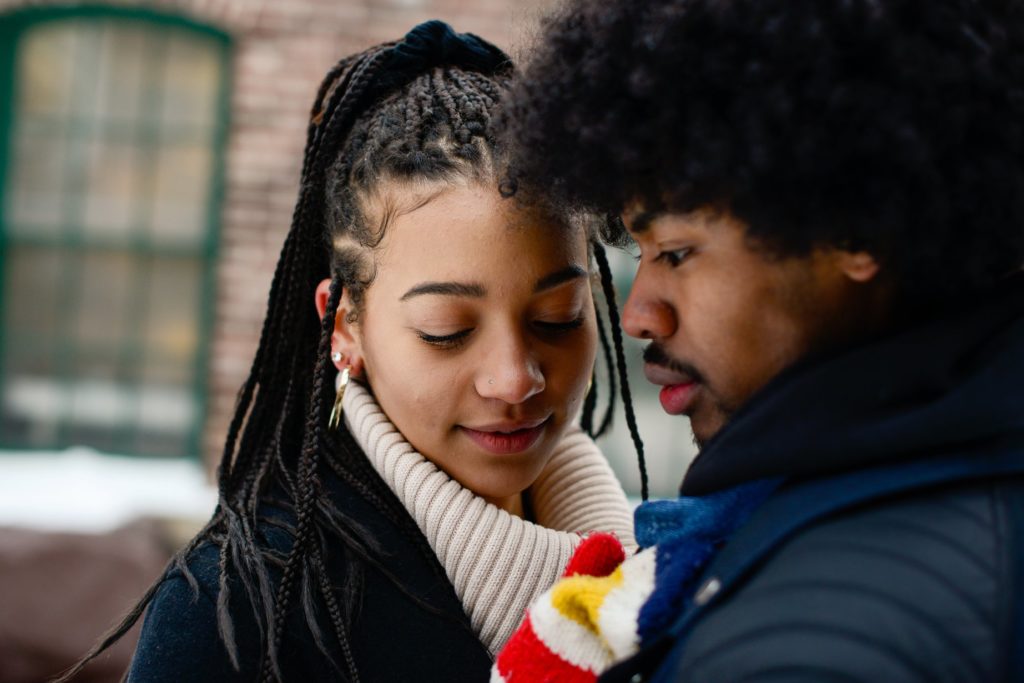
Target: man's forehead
<point x="638" y="218"/>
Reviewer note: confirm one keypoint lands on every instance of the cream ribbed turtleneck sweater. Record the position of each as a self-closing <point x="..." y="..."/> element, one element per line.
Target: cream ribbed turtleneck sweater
<point x="497" y="562"/>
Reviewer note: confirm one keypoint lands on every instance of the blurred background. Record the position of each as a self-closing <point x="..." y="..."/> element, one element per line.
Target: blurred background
<point x="149" y="159"/>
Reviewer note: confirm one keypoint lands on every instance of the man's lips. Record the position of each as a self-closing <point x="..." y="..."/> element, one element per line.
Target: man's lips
<point x="678" y="388"/>
<point x="659" y="374"/>
<point x="507" y="436"/>
<point x="676" y="399"/>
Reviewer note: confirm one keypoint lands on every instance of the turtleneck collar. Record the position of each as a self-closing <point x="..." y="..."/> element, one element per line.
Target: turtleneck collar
<point x="497" y="562"/>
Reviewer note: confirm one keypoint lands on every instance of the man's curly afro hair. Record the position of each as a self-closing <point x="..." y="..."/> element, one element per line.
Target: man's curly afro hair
<point x="894" y="126"/>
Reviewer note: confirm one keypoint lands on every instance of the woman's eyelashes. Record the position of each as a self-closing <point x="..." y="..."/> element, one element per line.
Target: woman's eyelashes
<point x="446" y="341"/>
<point x="545" y="328"/>
<point x="559" y="327"/>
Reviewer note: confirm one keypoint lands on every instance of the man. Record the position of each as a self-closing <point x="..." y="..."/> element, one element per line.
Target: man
<point x="828" y="198"/>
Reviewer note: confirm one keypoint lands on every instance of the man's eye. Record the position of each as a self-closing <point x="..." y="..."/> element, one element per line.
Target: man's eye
<point x="674" y="257"/>
<point x="446" y="341"/>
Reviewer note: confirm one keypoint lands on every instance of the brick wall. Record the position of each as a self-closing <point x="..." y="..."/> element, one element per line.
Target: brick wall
<point x="282" y="49"/>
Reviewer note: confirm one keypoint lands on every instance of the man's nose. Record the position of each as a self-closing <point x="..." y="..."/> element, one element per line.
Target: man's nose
<point x="646" y="315"/>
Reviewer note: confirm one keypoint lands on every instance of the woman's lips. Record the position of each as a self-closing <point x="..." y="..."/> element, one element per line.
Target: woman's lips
<point x="507" y="438"/>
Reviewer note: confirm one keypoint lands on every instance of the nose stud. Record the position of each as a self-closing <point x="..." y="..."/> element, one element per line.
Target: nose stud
<point x="490" y="381"/>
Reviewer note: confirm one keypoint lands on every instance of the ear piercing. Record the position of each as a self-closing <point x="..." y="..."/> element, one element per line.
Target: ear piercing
<point x="335" y="419"/>
<point x="337" y="356"/>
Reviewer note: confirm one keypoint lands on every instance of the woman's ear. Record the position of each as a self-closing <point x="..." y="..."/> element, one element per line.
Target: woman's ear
<point x="346" y="338"/>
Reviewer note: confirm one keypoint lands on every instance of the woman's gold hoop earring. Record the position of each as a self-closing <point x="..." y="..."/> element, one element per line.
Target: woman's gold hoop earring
<point x="335" y="419"/>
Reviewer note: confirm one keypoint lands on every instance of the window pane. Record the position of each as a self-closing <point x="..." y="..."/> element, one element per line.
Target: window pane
<point x="35" y="190"/>
<point x="32" y="410"/>
<point x="34" y="305"/>
<point x="86" y="70"/>
<point x="46" y="62"/>
<point x="181" y="192"/>
<point x="192" y="80"/>
<point x="123" y="59"/>
<point x="106" y="285"/>
<point x="163" y="420"/>
<point x="170" y="331"/>
<point x="111" y="193"/>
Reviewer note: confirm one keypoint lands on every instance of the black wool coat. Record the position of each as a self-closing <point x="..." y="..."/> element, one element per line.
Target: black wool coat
<point x="394" y="638"/>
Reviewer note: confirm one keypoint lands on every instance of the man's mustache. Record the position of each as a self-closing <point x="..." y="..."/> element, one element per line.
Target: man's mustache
<point x="656" y="355"/>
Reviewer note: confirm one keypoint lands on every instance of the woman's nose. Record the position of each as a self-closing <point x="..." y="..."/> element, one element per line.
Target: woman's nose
<point x="511" y="373"/>
<point x="646" y="314"/>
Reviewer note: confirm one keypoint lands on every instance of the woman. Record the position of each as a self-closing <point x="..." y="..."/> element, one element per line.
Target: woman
<point x="393" y="523"/>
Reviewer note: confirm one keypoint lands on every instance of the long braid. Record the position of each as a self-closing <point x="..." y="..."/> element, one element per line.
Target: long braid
<point x="306" y="485"/>
<point x="609" y="364"/>
<point x="627" y="399"/>
<point x="298" y="247"/>
<point x="298" y="243"/>
<point x="337" y="620"/>
<point x="589" y="403"/>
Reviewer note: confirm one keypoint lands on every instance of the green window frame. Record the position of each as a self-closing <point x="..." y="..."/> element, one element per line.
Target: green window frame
<point x="106" y="293"/>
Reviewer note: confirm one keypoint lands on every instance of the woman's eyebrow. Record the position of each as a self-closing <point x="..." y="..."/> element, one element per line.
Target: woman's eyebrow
<point x="446" y="289"/>
<point x="558" y="277"/>
<point x="476" y="291"/>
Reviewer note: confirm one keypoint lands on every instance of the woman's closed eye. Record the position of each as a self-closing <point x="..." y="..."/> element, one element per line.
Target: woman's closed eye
<point x="446" y="341"/>
<point x="456" y="339"/>
<point x="559" y="326"/>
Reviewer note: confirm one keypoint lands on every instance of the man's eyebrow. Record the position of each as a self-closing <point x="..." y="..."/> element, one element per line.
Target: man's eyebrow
<point x="446" y="289"/>
<point x="554" y="279"/>
<point x="643" y="220"/>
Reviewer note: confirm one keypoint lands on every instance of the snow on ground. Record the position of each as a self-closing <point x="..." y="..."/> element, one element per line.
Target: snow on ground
<point x="80" y="490"/>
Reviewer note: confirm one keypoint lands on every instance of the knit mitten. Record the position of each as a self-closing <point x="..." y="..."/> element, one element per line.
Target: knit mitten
<point x="562" y="637"/>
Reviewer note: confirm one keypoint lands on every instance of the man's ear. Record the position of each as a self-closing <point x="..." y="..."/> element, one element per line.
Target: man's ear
<point x="346" y="338"/>
<point x="859" y="266"/>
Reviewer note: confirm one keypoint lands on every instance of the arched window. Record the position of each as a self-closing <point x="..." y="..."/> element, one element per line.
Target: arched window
<point x="112" y="129"/>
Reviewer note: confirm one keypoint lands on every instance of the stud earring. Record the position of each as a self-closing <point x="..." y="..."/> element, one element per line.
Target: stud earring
<point x="335" y="419"/>
<point x="337" y="356"/>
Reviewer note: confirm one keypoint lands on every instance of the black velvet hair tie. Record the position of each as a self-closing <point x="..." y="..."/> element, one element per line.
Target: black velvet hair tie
<point x="435" y="43"/>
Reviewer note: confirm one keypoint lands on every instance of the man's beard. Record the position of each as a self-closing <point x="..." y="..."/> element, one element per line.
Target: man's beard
<point x="656" y="355"/>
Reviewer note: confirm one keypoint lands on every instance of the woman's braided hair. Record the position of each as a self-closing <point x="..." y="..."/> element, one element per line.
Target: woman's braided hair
<point x="419" y="109"/>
